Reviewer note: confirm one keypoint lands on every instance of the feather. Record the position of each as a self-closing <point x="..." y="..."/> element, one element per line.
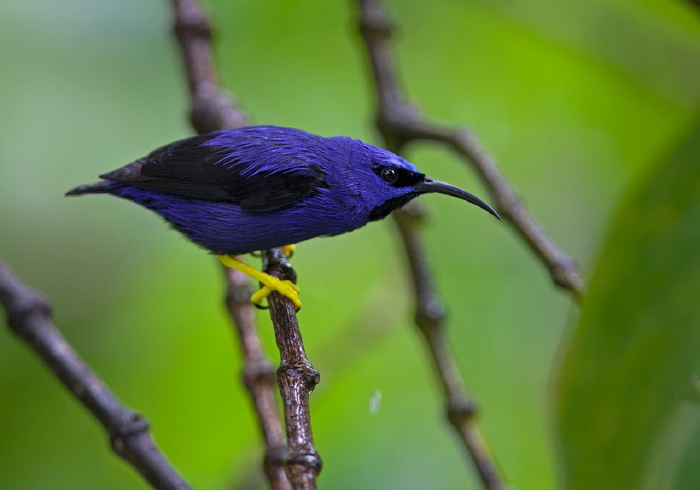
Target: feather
<point x="244" y="170"/>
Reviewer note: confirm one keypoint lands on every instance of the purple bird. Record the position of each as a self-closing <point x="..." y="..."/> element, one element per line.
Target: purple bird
<point x="259" y="187"/>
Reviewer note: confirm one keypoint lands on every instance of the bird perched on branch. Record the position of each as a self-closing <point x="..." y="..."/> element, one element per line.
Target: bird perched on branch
<point x="259" y="187"/>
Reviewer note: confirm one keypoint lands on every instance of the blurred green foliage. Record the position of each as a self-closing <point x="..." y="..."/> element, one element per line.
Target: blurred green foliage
<point x="575" y="99"/>
<point x="625" y="380"/>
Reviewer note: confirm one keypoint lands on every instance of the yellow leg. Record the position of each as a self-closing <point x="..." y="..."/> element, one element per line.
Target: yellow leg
<point x="289" y="250"/>
<point x="270" y="283"/>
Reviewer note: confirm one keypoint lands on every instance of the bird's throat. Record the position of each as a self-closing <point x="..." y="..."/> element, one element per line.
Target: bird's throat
<point x="383" y="210"/>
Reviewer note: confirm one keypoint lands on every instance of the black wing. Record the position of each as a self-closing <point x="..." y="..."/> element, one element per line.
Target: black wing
<point x="243" y="174"/>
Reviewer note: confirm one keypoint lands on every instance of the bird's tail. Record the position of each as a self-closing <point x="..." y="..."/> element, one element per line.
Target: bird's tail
<point x="96" y="188"/>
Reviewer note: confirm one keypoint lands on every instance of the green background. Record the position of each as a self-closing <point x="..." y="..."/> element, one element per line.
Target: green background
<point x="578" y="101"/>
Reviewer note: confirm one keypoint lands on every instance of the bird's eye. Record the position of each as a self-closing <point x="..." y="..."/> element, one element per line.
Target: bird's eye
<point x="389" y="175"/>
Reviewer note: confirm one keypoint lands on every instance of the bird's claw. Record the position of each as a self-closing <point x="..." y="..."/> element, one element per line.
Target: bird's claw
<point x="289" y="250"/>
<point x="270" y="283"/>
<point x="286" y="288"/>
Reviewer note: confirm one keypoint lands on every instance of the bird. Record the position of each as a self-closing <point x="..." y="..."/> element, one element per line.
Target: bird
<point x="239" y="191"/>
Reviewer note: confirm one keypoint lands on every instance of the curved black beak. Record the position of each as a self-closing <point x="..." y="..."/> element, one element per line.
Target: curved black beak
<point x="431" y="185"/>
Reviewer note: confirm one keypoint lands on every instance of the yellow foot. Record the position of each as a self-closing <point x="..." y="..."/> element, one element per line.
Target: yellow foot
<point x="270" y="283"/>
<point x="289" y="250"/>
<point x="285" y="288"/>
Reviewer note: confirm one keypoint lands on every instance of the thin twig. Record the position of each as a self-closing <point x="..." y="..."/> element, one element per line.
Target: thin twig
<point x="29" y="317"/>
<point x="212" y="110"/>
<point x="430" y="319"/>
<point x="258" y="377"/>
<point x="399" y="123"/>
<point x="296" y="378"/>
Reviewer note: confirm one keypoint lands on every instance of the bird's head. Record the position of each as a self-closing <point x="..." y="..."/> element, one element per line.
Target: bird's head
<point x="386" y="181"/>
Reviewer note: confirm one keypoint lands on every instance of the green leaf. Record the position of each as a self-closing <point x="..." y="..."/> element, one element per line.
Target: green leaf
<point x="629" y="361"/>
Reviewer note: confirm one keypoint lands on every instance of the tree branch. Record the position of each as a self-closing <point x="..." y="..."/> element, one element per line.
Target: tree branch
<point x="258" y="377"/>
<point x="460" y="407"/>
<point x="212" y="110"/>
<point x="296" y="378"/>
<point x="29" y="317"/>
<point x="400" y="122"/>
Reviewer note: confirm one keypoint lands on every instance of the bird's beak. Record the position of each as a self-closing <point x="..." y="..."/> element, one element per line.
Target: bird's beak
<point x="431" y="185"/>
